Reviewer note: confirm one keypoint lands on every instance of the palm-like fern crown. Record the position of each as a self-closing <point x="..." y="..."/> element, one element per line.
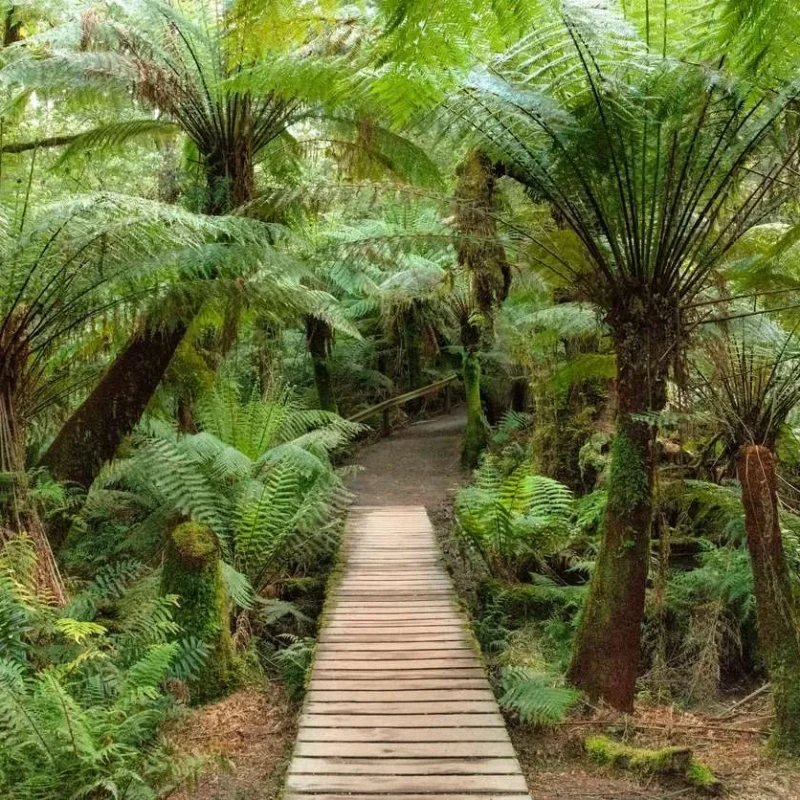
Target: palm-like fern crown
<point x="656" y="166"/>
<point x="751" y="380"/>
<point x="68" y="262"/>
<point x="200" y="68"/>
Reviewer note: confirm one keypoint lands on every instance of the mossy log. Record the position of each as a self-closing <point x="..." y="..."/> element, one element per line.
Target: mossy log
<point x="193" y="571"/>
<point x="664" y="761"/>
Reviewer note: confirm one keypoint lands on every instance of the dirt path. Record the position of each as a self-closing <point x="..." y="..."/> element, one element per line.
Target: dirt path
<point x="416" y="466"/>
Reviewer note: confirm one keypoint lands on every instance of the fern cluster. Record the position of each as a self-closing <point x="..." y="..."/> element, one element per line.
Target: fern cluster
<point x="82" y="690"/>
<point x="516" y="520"/>
<point x="258" y="473"/>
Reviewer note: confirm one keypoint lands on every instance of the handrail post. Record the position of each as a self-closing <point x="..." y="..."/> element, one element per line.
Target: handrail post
<point x="387" y="426"/>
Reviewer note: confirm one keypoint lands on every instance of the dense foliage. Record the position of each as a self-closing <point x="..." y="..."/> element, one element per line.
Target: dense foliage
<point x="226" y="228"/>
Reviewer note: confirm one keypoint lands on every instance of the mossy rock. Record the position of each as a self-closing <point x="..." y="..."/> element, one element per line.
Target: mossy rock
<point x="664" y="761"/>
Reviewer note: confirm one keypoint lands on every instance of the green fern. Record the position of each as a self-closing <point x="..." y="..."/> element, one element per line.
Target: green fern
<point x="515" y="519"/>
<point x="535" y="696"/>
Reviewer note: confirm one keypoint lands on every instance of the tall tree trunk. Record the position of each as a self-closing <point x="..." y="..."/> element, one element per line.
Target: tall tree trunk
<point x="318" y="339"/>
<point x="605" y="661"/>
<point x="91" y="436"/>
<point x="116" y="405"/>
<point x="775" y="609"/>
<point x="475" y="432"/>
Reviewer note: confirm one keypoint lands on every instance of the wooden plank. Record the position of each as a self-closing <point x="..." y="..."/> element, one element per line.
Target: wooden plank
<point x="386" y="765"/>
<point x="399" y="676"/>
<point x="407" y="628"/>
<point x="344" y="695"/>
<point x="377" y="708"/>
<point x="411" y="664"/>
<point x="405" y="749"/>
<point x="327" y="652"/>
<point x="458" y="643"/>
<point x="405" y="784"/>
<point x="324" y="684"/>
<point x="395" y="735"/>
<point x="406" y="796"/>
<point x="378" y="641"/>
<point x="328" y="720"/>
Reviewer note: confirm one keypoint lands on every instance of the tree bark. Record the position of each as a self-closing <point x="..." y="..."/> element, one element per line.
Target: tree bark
<point x="605" y="661"/>
<point x="318" y="340"/>
<point x="91" y="436"/>
<point x="775" y="609"/>
<point x="475" y="432"/>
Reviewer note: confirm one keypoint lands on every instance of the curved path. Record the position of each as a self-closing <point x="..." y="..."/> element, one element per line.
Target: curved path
<point x="399" y="706"/>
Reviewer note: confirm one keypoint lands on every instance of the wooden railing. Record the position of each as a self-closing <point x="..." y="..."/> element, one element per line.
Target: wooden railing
<point x="386" y="406"/>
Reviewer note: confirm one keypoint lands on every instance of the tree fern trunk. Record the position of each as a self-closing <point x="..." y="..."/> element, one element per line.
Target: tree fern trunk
<point x="93" y="433"/>
<point x="18" y="515"/>
<point x="193" y="571"/>
<point x="777" y="619"/>
<point x="475" y="431"/>
<point x="318" y="339"/>
<point x="605" y="659"/>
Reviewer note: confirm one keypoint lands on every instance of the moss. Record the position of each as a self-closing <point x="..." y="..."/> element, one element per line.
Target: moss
<point x="699" y="775"/>
<point x="664" y="761"/>
<point x="475" y="431"/>
<point x="193" y="571"/>
<point x="194" y="543"/>
<point x="628" y="485"/>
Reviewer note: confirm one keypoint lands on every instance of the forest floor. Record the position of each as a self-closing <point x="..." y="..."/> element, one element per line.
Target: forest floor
<point x="247" y="737"/>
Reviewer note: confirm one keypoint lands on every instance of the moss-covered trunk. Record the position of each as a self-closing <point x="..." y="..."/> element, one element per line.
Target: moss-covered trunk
<point x="475" y="431"/>
<point x="775" y="609"/>
<point x="318" y="339"/>
<point x="193" y="571"/>
<point x="482" y="254"/>
<point x="605" y="660"/>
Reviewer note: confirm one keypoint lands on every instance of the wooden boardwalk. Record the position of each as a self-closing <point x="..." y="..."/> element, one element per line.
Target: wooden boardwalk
<point x="399" y="706"/>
